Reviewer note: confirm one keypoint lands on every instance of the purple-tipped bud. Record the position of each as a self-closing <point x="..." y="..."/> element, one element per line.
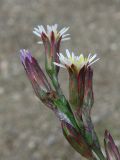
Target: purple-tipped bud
<point x="111" y="149"/>
<point x="35" y="73"/>
<point x="25" y="54"/>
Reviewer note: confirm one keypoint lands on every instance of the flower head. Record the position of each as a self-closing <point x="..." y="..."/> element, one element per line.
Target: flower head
<point x="78" y="62"/>
<point x="51" y="39"/>
<point x="50" y="32"/>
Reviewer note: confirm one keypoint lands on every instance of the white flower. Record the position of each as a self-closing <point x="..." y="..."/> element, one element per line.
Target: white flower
<point x="77" y="61"/>
<point x="40" y="29"/>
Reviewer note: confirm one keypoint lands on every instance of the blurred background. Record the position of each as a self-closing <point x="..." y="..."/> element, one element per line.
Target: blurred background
<point x="29" y="130"/>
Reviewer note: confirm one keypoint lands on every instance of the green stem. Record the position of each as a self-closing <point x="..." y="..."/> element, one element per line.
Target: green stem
<point x="69" y="113"/>
<point x="99" y="154"/>
<point x="56" y="85"/>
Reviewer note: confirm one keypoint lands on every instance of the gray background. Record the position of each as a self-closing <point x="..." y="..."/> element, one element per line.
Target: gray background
<point x="28" y="130"/>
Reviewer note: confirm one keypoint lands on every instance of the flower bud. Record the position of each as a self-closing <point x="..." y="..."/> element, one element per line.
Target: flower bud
<point x="111" y="149"/>
<point x="35" y="74"/>
<point x="76" y="140"/>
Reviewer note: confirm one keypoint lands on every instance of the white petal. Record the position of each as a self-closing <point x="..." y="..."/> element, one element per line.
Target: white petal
<point x="37" y="29"/>
<point x="65" y="39"/>
<point x="77" y="58"/>
<point x="65" y="30"/>
<point x="64" y="60"/>
<point x="42" y="29"/>
<point x="89" y="56"/>
<point x="61" y="56"/>
<point x="62" y="30"/>
<point x="73" y="56"/>
<point x="65" y="35"/>
<point x="55" y="26"/>
<point x="67" y="61"/>
<point x="93" y="62"/>
<point x="93" y="57"/>
<point x="58" y="64"/>
<point x="49" y="28"/>
<point x="40" y="42"/>
<point x="36" y="33"/>
<point x="68" y="53"/>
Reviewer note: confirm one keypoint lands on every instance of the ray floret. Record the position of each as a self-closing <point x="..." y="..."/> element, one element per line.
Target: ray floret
<point x="40" y="30"/>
